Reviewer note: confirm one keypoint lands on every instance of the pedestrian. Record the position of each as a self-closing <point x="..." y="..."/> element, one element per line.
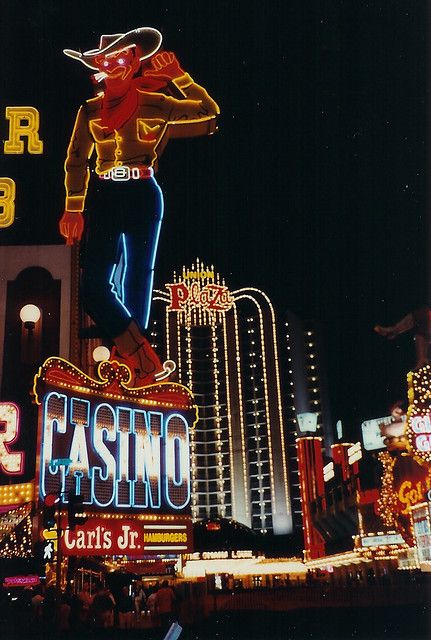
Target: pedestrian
<point x="49" y="610"/>
<point x="64" y="613"/>
<point x="37" y="605"/>
<point x="152" y="606"/>
<point x="139" y="599"/>
<point x="126" y="608"/>
<point x="85" y="601"/>
<point x="103" y="608"/>
<point x="165" y="600"/>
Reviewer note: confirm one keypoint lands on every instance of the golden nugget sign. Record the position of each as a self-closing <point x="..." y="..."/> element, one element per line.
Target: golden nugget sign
<point x="419" y="413"/>
<point x="121" y="448"/>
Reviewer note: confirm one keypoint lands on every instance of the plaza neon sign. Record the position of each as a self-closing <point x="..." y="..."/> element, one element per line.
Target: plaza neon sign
<point x="122" y="448"/>
<point x="211" y="297"/>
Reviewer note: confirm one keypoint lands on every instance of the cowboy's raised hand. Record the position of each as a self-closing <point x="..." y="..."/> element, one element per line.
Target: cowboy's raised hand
<point x="165" y="65"/>
<point x="71" y="226"/>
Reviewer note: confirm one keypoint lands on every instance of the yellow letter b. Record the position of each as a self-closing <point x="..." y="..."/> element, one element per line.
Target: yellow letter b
<point x="7" y="202"/>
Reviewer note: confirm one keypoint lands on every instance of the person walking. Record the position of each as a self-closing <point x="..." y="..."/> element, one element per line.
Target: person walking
<point x="126" y="608"/>
<point x="165" y="602"/>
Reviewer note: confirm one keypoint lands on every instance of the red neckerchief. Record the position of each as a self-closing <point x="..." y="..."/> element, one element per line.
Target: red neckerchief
<point x="117" y="111"/>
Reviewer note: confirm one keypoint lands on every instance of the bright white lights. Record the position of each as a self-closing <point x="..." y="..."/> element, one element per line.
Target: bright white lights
<point x="30" y="313"/>
<point x="101" y="353"/>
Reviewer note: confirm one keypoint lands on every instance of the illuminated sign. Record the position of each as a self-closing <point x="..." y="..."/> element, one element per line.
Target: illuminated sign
<point x="372" y="436"/>
<point x="23" y="125"/>
<point x="127" y="448"/>
<point x="222" y="555"/>
<point x="307" y="421"/>
<point x="419" y="413"/>
<point x="102" y="536"/>
<point x="422" y="531"/>
<point x="11" y="462"/>
<point x="405" y="483"/>
<point x="199" y="275"/>
<point x="12" y="495"/>
<point x="354" y="453"/>
<point x="126" y="139"/>
<point x="375" y="541"/>
<point x="21" y="581"/>
<point x="412" y="491"/>
<point x="210" y="297"/>
<point x="48" y="551"/>
<point x="328" y="471"/>
<point x="421" y="428"/>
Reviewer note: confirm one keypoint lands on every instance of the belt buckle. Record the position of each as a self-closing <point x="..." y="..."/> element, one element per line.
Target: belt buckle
<point x="120" y="174"/>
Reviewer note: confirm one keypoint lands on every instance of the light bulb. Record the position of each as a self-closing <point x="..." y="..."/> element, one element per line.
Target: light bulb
<point x="29" y="313"/>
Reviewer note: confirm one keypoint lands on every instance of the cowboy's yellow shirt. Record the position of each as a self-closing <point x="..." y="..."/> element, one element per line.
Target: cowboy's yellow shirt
<point x="140" y="141"/>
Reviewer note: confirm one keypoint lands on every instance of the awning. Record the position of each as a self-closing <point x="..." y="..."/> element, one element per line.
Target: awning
<point x="11" y="519"/>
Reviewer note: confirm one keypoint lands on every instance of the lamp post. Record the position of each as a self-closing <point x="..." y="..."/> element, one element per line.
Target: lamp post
<point x="30" y="316"/>
<point x="59" y="462"/>
<point x="100" y="354"/>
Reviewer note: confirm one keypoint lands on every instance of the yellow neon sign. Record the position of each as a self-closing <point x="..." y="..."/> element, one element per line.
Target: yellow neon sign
<point x="7" y="202"/>
<point x="23" y="123"/>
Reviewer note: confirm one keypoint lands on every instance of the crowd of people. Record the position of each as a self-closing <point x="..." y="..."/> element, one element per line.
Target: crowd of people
<point x="131" y="606"/>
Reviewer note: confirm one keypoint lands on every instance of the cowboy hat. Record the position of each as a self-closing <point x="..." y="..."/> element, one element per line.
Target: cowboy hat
<point x="148" y="39"/>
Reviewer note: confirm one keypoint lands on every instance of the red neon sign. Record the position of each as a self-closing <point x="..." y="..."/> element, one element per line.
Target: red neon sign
<point x="21" y="581"/>
<point x="11" y="462"/>
<point x="103" y="536"/>
<point x="212" y="297"/>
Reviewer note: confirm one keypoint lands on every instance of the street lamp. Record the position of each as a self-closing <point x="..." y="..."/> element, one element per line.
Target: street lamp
<point x="101" y="353"/>
<point x="31" y="333"/>
<point x="29" y="314"/>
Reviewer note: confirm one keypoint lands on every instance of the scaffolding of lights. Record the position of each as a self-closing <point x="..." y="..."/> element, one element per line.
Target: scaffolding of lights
<point x="193" y="305"/>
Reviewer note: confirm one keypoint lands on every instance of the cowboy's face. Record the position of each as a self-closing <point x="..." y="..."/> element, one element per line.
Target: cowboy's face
<point x="119" y="66"/>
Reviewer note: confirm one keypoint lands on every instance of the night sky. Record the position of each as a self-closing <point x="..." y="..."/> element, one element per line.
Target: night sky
<point x="313" y="189"/>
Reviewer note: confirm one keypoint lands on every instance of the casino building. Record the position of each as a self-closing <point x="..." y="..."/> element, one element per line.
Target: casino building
<point x="255" y="378"/>
<point x="244" y="376"/>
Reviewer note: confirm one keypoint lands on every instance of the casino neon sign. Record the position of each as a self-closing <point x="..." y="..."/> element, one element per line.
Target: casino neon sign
<point x="123" y="448"/>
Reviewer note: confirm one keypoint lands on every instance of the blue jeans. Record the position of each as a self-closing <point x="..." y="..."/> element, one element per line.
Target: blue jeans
<point x="122" y="233"/>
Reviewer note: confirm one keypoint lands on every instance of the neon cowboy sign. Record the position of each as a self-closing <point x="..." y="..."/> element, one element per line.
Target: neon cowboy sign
<point x="120" y="448"/>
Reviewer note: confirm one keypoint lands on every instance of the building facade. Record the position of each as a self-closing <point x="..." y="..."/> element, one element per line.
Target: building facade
<point x="227" y="348"/>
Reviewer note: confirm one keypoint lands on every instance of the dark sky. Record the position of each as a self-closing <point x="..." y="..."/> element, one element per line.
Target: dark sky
<point x="312" y="190"/>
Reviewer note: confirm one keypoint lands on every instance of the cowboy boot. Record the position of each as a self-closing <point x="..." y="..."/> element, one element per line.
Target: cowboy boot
<point x="405" y="324"/>
<point x="135" y="351"/>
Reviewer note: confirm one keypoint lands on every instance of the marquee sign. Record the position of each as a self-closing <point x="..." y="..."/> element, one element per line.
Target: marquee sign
<point x="419" y="413"/>
<point x="131" y="537"/>
<point x="127" y="449"/>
